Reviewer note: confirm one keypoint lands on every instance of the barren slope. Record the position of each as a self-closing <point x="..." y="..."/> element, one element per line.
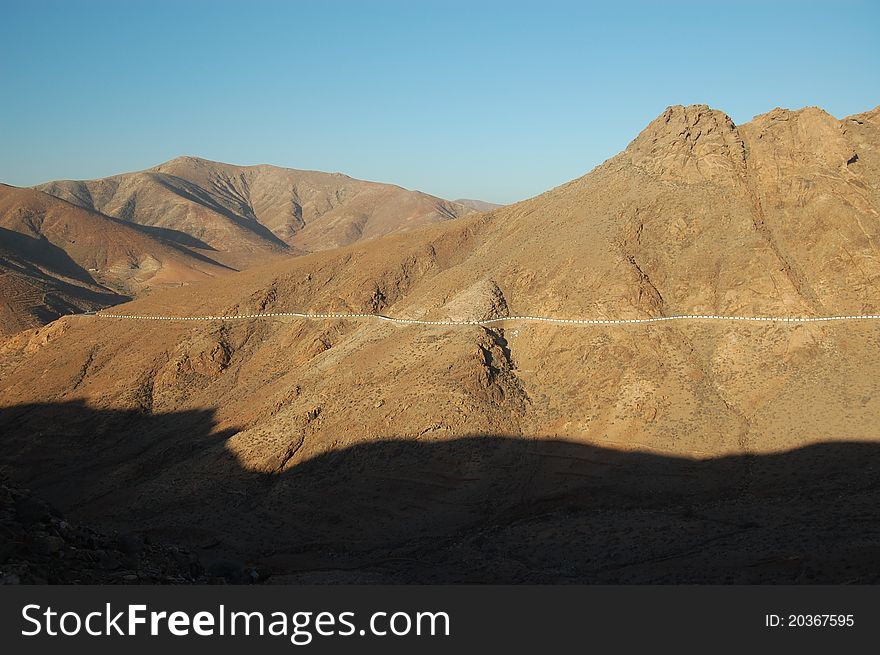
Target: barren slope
<point x="246" y="212"/>
<point x="512" y="454"/>
<point x="57" y="258"/>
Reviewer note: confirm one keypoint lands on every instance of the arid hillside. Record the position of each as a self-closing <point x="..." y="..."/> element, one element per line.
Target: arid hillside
<point x="244" y="213"/>
<point x="364" y="451"/>
<point x="181" y="222"/>
<point x="57" y="258"/>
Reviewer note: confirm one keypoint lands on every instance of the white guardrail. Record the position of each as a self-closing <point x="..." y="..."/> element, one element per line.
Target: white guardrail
<point x="490" y="321"/>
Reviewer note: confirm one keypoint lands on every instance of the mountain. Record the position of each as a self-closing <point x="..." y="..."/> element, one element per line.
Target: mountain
<point x="182" y="221"/>
<point x="57" y="258"/>
<point x="478" y="205"/>
<point x="361" y="451"/>
<point x="244" y="213"/>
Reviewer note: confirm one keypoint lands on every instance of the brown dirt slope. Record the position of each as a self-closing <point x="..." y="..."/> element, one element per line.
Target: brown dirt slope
<point x="342" y="449"/>
<point x="57" y="258"/>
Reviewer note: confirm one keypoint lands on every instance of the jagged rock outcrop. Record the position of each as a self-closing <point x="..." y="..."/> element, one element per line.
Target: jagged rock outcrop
<point x="690" y="144"/>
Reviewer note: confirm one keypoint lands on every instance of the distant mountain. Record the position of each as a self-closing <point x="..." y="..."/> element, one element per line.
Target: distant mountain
<point x="57" y="258"/>
<point x="478" y="205"/>
<point x="244" y="213"/>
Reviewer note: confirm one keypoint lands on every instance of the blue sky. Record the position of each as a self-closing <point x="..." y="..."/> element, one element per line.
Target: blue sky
<point x="491" y="100"/>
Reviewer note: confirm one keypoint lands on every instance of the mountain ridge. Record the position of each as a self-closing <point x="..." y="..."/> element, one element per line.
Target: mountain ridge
<point x="247" y="212"/>
<point x="774" y="217"/>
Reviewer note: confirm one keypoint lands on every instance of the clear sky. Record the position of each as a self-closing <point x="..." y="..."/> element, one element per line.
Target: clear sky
<point x="491" y="100"/>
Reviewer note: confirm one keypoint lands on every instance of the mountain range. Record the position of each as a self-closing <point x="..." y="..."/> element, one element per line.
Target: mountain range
<point x="71" y="246"/>
<point x="244" y="213"/>
<point x="353" y="451"/>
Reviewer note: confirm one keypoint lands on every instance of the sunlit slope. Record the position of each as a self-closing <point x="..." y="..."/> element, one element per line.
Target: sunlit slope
<point x="243" y="213"/>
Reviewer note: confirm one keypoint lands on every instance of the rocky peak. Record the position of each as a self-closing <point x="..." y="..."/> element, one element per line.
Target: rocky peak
<point x="690" y="144"/>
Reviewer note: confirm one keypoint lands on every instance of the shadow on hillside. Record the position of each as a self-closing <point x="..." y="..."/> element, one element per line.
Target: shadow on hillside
<point x="43" y="262"/>
<point x="44" y="254"/>
<point x="479" y="508"/>
<point x="180" y="241"/>
<point x="194" y="194"/>
<point x="170" y="235"/>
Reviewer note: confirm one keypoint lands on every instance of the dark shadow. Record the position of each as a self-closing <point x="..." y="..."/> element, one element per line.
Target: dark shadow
<point x="478" y="508"/>
<point x="171" y="236"/>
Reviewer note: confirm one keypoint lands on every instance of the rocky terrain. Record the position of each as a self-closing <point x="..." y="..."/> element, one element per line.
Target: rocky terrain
<point x="369" y="452"/>
<point x="40" y="547"/>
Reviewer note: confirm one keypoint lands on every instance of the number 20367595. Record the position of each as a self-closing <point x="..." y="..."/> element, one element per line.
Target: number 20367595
<point x="809" y="620"/>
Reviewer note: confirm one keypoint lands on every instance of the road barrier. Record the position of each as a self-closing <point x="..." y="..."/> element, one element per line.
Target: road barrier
<point x="492" y="321"/>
